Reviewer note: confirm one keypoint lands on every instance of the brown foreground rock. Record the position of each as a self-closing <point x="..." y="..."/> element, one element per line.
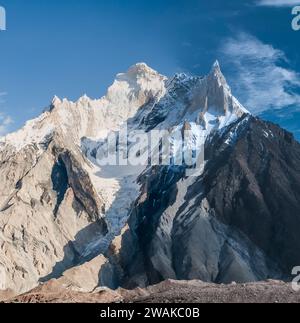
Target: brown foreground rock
<point x="7" y="294"/>
<point x="167" y="292"/>
<point x="199" y="292"/>
<point x="54" y="292"/>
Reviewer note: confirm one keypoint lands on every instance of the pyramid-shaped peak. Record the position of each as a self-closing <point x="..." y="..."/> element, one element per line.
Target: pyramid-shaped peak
<point x="216" y="75"/>
<point x="216" y="69"/>
<point x="216" y="65"/>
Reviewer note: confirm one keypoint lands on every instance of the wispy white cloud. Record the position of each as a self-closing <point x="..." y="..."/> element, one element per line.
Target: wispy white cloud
<point x="259" y="77"/>
<point x="278" y="3"/>
<point x="5" y="120"/>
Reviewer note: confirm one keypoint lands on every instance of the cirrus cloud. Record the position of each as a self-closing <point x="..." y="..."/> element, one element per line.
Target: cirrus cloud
<point x="278" y="3"/>
<point x="5" y="120"/>
<point x="258" y="74"/>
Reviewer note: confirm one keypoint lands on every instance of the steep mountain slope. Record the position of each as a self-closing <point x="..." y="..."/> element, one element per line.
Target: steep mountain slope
<point x="258" y="189"/>
<point x="49" y="209"/>
<point x="51" y="204"/>
<point x="65" y="215"/>
<point x="202" y="104"/>
<point x="238" y="221"/>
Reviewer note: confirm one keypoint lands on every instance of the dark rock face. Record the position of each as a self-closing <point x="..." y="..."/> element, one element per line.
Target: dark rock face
<point x="82" y="186"/>
<point x="50" y="212"/>
<point x="158" y="192"/>
<point x="59" y="177"/>
<point x="238" y="221"/>
<point x="254" y="186"/>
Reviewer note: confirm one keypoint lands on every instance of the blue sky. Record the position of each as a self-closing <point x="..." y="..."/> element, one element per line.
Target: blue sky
<point x="71" y="47"/>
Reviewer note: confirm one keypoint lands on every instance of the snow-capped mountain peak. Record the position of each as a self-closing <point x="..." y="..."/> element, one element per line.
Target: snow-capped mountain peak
<point x="206" y="102"/>
<point x="84" y="99"/>
<point x="93" y="117"/>
<point x="136" y="86"/>
<point x="56" y="101"/>
<point x="217" y="76"/>
<point x="60" y="205"/>
<point x="139" y="70"/>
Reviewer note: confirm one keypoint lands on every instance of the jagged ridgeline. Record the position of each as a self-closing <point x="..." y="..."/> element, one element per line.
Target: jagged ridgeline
<point x="65" y="217"/>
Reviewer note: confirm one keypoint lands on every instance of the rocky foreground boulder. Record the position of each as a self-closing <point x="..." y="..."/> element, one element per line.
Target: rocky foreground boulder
<point x="166" y="292"/>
